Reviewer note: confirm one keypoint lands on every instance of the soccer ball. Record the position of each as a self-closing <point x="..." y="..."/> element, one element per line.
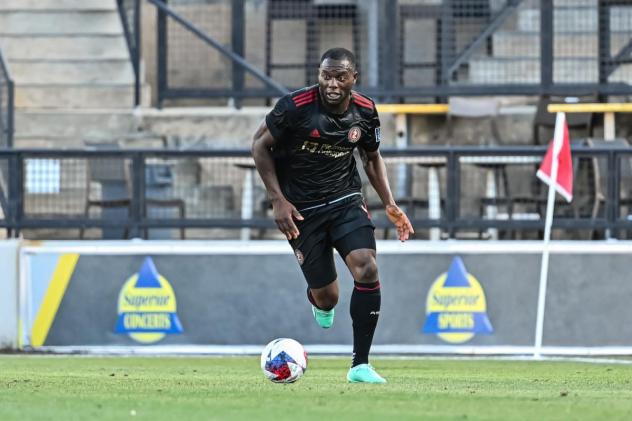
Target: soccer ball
<point x="283" y="360"/>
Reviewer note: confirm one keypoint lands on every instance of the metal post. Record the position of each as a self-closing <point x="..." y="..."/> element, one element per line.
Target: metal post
<point x="161" y="27"/>
<point x="612" y="193"/>
<point x="10" y="115"/>
<point x="312" y="44"/>
<point x="453" y="191"/>
<point x="447" y="40"/>
<point x="604" y="41"/>
<point x="247" y="201"/>
<point x="389" y="48"/>
<point x="16" y="193"/>
<point x="238" y="26"/>
<point x="137" y="52"/>
<point x="546" y="45"/>
<point x="268" y="45"/>
<point x="138" y="205"/>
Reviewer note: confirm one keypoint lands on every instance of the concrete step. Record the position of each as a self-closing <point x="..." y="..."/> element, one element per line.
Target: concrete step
<point x="58" y="5"/>
<point x="60" y="22"/>
<point x="72" y="72"/>
<point x="566" y="44"/>
<point x="578" y="19"/>
<point x="79" y="96"/>
<point x="52" y="142"/>
<point x="73" y="124"/>
<point x="527" y="70"/>
<point x="77" y="47"/>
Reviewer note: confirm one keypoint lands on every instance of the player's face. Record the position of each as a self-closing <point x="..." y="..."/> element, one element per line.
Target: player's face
<point x="336" y="79"/>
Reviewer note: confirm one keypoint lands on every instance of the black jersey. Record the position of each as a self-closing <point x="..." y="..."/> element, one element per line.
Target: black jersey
<point x="314" y="152"/>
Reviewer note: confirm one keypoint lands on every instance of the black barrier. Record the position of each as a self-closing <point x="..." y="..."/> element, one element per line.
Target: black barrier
<point x="472" y="297"/>
<point x="482" y="192"/>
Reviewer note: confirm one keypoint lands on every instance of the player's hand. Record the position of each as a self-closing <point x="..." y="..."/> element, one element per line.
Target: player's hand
<point x="284" y="215"/>
<point x="401" y="222"/>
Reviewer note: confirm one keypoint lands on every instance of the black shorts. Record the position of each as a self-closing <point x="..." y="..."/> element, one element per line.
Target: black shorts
<point x="343" y="225"/>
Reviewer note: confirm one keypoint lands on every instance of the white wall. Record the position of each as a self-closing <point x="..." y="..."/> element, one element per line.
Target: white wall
<point x="8" y="293"/>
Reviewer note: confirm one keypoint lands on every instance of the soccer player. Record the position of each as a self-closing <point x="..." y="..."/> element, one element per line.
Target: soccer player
<point x="304" y="154"/>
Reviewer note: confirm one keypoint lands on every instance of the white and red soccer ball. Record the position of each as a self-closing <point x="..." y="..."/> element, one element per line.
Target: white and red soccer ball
<point x="283" y="360"/>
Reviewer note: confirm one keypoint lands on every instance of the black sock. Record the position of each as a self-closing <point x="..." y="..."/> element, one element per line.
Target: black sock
<point x="365" y="310"/>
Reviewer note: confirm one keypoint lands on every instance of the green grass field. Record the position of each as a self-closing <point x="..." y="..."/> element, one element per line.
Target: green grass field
<point x="209" y="388"/>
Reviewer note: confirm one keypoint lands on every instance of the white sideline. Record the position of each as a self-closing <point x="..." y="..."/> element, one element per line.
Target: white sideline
<point x="317" y="349"/>
<point x="273" y="247"/>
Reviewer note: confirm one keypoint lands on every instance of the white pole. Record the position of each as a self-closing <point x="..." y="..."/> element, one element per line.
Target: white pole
<point x="550" y="203"/>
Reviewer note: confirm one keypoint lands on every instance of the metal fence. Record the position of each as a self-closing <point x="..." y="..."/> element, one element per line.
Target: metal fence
<point x="479" y="192"/>
<point x="6" y="105"/>
<point x="130" y="14"/>
<point x="408" y="50"/>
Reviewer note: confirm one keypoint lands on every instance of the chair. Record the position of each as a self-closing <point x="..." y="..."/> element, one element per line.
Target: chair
<point x="588" y="194"/>
<point x="158" y="177"/>
<point x="113" y="177"/>
<point x="575" y="121"/>
<point x="545" y="121"/>
<point x="625" y="174"/>
<point x="109" y="175"/>
<point x="481" y="115"/>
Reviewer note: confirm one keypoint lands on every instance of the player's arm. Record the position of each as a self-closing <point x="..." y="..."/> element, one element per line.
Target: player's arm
<point x="376" y="171"/>
<point x="284" y="212"/>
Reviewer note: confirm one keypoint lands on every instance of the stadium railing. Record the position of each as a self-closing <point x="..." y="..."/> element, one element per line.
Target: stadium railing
<point x="130" y="14"/>
<point x="7" y="90"/>
<point x="51" y="189"/>
<point x="412" y="51"/>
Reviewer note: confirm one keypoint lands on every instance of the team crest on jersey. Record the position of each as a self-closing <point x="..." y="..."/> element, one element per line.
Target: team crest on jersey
<point x="299" y="256"/>
<point x="354" y="134"/>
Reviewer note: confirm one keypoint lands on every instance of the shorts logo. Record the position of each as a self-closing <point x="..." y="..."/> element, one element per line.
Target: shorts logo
<point x="354" y="134"/>
<point x="378" y="134"/>
<point x="299" y="256"/>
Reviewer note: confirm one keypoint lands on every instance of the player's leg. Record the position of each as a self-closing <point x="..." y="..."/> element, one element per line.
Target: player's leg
<point x="314" y="253"/>
<point x="358" y="250"/>
<point x="323" y="300"/>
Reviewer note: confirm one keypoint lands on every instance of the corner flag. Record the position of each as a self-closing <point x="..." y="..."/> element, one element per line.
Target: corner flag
<point x="560" y="150"/>
<point x="556" y="170"/>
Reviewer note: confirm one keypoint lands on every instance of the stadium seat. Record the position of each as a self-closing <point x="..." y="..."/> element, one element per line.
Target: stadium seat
<point x="588" y="193"/>
<point x="113" y="177"/>
<point x="625" y="174"/>
<point x="481" y="113"/>
<point x="545" y="121"/>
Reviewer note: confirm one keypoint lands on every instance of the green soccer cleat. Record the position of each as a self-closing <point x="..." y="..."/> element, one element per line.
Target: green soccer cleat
<point x="364" y="373"/>
<point x="325" y="319"/>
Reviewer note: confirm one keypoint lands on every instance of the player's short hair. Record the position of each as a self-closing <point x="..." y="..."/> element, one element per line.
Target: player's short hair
<point x="340" y="54"/>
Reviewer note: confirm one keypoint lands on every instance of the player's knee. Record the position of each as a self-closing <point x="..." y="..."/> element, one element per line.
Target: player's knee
<point x="366" y="270"/>
<point x="326" y="298"/>
<point x="327" y="301"/>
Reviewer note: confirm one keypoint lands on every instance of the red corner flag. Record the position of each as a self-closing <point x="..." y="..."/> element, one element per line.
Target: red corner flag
<point x="560" y="150"/>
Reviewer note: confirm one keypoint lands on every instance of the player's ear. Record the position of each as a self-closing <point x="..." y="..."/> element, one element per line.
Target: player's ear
<point x="355" y="76"/>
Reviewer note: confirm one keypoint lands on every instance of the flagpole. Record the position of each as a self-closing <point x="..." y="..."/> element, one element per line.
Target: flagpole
<point x="548" y="222"/>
